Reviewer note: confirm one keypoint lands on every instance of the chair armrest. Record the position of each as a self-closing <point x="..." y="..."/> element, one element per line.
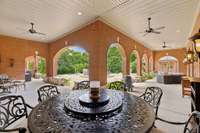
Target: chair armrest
<point x="21" y="130"/>
<point x="29" y="106"/>
<point x="141" y="95"/>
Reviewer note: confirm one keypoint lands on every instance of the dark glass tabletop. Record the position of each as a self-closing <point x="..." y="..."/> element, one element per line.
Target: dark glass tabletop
<point x="135" y="116"/>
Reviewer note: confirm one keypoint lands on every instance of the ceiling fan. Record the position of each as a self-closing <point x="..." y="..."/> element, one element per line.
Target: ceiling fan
<point x="33" y="31"/>
<point x="164" y="45"/>
<point x="152" y="30"/>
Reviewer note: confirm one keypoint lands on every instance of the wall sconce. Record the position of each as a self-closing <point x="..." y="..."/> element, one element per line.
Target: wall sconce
<point x="190" y="57"/>
<point x="185" y="61"/>
<point x="12" y="62"/>
<point x="196" y="42"/>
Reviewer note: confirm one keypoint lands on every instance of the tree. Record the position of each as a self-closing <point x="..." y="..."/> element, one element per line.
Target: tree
<point x="42" y="66"/>
<point x="30" y="65"/>
<point x="71" y="61"/>
<point x="133" y="63"/>
<point x="114" y="60"/>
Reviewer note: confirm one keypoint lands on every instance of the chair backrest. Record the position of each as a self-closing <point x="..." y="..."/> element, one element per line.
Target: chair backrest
<point x="47" y="91"/>
<point x="83" y="85"/>
<point x="153" y="96"/>
<point x="12" y="108"/>
<point x="117" y="85"/>
<point x="192" y="125"/>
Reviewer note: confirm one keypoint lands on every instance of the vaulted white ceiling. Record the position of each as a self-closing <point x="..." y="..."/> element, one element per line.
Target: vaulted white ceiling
<point x="59" y="17"/>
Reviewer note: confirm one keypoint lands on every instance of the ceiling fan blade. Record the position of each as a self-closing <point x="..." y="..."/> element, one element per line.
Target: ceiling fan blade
<point x="156" y="32"/>
<point x="145" y="34"/>
<point x="24" y="33"/>
<point x="21" y="29"/>
<point x="159" y="28"/>
<point x="39" y="33"/>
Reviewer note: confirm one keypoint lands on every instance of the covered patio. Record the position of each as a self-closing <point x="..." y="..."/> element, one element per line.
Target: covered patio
<point x="96" y="66"/>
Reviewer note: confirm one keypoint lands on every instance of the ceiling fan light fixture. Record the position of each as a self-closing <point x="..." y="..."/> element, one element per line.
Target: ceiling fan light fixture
<point x="178" y="31"/>
<point x="79" y="13"/>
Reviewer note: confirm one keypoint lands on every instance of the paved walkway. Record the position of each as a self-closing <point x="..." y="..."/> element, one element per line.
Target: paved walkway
<point x="173" y="106"/>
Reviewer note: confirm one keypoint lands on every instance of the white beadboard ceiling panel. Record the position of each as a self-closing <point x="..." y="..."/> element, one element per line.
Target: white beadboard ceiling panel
<point x="58" y="17"/>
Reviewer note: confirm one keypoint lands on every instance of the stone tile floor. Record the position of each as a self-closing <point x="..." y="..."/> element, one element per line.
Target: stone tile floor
<point x="173" y="106"/>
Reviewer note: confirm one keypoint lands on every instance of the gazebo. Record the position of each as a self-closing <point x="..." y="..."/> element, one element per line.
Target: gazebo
<point x="168" y="64"/>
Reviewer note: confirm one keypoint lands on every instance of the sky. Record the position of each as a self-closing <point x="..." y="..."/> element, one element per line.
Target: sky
<point x="78" y="49"/>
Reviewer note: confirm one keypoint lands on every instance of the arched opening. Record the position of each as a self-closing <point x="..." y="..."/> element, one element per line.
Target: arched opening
<point x="144" y="64"/>
<point x="36" y="65"/>
<point x="134" y="63"/>
<point x="116" y="63"/>
<point x="168" y="64"/>
<point x="71" y="63"/>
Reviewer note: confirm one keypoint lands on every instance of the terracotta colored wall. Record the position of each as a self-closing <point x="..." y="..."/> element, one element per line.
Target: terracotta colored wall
<point x="96" y="39"/>
<point x="177" y="53"/>
<point x="18" y="49"/>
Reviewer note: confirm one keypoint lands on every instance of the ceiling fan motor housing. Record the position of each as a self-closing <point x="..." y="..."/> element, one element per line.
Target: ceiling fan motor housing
<point x="32" y="31"/>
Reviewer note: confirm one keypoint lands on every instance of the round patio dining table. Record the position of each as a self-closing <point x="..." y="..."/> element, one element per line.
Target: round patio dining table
<point x="52" y="116"/>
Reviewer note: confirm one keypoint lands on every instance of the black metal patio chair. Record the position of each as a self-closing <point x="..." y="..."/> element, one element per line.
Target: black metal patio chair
<point x="193" y="123"/>
<point x="19" y="84"/>
<point x="83" y="85"/>
<point x="6" y="85"/>
<point x="47" y="91"/>
<point x="117" y="85"/>
<point x="153" y="95"/>
<point x="12" y="108"/>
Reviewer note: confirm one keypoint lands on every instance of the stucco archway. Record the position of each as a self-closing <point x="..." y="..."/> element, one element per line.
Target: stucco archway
<point x="36" y="64"/>
<point x="73" y="48"/>
<point x="72" y="54"/>
<point x="123" y="59"/>
<point x="136" y="54"/>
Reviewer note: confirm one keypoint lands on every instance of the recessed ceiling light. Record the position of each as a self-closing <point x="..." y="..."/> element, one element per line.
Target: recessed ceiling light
<point x="177" y="31"/>
<point x="79" y="13"/>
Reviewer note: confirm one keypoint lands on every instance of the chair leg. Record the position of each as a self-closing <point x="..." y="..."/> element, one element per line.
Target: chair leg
<point x="15" y="89"/>
<point x="154" y="125"/>
<point x="9" y="89"/>
<point x="24" y="86"/>
<point x="22" y="130"/>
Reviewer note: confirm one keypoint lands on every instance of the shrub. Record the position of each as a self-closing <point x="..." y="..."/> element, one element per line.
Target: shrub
<point x="133" y="67"/>
<point x="145" y="76"/>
